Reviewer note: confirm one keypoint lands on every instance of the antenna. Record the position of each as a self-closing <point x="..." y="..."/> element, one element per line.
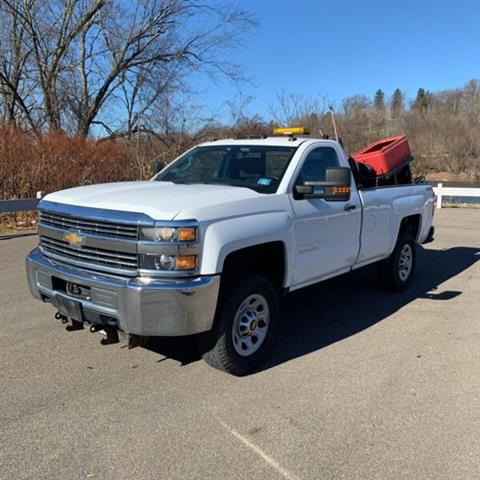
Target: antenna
<point x="332" y="114"/>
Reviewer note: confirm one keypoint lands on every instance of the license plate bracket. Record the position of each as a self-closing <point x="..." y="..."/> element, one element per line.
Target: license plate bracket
<point x="68" y="307"/>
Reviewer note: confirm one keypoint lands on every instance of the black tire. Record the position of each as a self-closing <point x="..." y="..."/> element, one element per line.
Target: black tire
<point x="217" y="346"/>
<point x="390" y="271"/>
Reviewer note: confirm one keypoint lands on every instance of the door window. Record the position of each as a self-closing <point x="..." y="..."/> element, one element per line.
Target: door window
<point x="315" y="165"/>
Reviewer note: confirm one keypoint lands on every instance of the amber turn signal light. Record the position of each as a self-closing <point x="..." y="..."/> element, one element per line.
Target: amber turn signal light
<point x="340" y="190"/>
<point x="186" y="262"/>
<point x="187" y="234"/>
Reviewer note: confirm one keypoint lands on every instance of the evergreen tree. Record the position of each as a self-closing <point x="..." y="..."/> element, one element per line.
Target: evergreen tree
<point x="397" y="106"/>
<point x="379" y="101"/>
<point x="379" y="117"/>
<point x="422" y="101"/>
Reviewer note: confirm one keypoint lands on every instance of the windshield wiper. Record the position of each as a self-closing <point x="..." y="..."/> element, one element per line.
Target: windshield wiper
<point x="232" y="185"/>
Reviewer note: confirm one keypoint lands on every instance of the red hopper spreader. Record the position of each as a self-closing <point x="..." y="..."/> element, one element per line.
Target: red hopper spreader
<point x="385" y="155"/>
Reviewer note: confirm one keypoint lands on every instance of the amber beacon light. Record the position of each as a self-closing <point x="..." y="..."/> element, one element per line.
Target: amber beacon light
<point x="291" y="131"/>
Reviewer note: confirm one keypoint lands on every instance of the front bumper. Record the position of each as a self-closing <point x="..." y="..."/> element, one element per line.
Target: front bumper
<point x="147" y="307"/>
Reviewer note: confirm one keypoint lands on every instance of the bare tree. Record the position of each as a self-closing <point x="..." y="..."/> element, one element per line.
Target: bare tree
<point x="296" y="108"/>
<point x="51" y="27"/>
<point x="15" y="84"/>
<point x="94" y="57"/>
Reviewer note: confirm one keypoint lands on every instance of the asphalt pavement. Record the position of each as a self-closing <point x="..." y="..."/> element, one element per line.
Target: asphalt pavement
<point x="363" y="384"/>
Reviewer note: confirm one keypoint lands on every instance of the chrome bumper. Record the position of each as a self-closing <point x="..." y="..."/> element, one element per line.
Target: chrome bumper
<point x="148" y="307"/>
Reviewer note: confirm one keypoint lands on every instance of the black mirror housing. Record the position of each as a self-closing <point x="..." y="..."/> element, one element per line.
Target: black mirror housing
<point x="335" y="188"/>
<point x="158" y="166"/>
<point x="303" y="190"/>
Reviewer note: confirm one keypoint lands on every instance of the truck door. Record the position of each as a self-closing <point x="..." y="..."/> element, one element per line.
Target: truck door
<point x="327" y="233"/>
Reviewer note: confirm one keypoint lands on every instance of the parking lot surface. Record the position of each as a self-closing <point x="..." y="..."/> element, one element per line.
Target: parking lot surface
<point x="363" y="384"/>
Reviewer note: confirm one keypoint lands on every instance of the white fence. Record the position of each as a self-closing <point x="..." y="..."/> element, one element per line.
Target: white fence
<point x="441" y="191"/>
<point x="10" y="206"/>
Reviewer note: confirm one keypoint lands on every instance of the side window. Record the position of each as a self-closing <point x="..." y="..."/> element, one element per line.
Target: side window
<point x="316" y="164"/>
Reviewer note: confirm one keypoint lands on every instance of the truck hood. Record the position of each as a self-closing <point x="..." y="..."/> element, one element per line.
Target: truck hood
<point x="159" y="200"/>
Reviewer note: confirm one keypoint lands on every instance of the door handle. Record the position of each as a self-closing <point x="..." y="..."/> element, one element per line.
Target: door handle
<point x="348" y="208"/>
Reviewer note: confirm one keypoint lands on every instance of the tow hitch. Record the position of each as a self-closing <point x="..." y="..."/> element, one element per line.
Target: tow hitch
<point x="110" y="333"/>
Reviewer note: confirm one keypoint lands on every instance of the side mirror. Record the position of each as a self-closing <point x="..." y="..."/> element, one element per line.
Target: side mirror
<point x="158" y="166"/>
<point x="335" y="188"/>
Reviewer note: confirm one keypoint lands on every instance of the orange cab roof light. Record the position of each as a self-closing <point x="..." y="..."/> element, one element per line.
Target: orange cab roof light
<point x="291" y="131"/>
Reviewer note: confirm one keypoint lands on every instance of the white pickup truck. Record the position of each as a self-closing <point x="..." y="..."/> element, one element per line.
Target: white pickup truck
<point x="210" y="244"/>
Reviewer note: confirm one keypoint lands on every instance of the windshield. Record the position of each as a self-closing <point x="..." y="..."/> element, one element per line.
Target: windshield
<point x="260" y="168"/>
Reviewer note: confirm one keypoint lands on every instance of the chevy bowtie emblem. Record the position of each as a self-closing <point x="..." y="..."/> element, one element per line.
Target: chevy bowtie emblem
<point x="74" y="239"/>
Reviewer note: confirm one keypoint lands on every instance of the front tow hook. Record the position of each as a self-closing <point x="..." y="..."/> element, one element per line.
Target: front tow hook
<point x="74" y="324"/>
<point x="110" y="333"/>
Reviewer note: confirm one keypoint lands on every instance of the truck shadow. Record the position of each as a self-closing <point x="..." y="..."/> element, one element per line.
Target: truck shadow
<point x="328" y="312"/>
<point x="320" y="315"/>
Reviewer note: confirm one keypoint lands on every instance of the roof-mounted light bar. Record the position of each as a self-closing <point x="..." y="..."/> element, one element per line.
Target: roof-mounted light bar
<point x="291" y="131"/>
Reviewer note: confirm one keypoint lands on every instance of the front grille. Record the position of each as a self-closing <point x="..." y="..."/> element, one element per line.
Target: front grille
<point x="103" y="228"/>
<point x="89" y="256"/>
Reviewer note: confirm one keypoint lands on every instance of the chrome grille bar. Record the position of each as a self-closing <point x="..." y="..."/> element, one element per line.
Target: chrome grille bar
<point x="104" y="228"/>
<point x="88" y="255"/>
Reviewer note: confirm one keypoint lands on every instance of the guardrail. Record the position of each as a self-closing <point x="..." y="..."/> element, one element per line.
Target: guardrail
<point x="22" y="205"/>
<point x="441" y="191"/>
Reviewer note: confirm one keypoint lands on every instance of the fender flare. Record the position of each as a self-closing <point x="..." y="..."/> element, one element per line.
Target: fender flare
<point x="232" y="234"/>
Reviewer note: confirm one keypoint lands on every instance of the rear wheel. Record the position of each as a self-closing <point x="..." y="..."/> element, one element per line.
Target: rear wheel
<point x="396" y="271"/>
<point x="245" y="325"/>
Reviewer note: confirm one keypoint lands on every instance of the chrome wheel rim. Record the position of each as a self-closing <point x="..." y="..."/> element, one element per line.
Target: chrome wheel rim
<point x="250" y="325"/>
<point x="405" y="262"/>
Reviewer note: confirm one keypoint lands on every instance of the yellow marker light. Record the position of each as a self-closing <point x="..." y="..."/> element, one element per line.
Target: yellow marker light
<point x="187" y="234"/>
<point x="186" y="262"/>
<point x="291" y="131"/>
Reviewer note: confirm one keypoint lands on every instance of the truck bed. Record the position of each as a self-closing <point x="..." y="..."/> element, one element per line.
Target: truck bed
<point x="383" y="209"/>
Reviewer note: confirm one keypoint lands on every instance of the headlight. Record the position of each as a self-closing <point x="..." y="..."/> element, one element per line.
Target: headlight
<point x="169" y="234"/>
<point x="167" y="248"/>
<point x="168" y="262"/>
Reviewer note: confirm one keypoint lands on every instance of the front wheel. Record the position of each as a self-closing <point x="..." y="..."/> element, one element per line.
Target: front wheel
<point x="396" y="271"/>
<point x="245" y="325"/>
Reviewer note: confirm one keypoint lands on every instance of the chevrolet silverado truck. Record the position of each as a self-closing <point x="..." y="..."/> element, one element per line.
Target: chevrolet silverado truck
<point x="211" y="243"/>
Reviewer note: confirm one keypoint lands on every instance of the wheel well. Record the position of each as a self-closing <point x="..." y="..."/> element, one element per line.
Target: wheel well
<point x="266" y="258"/>
<point x="412" y="224"/>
